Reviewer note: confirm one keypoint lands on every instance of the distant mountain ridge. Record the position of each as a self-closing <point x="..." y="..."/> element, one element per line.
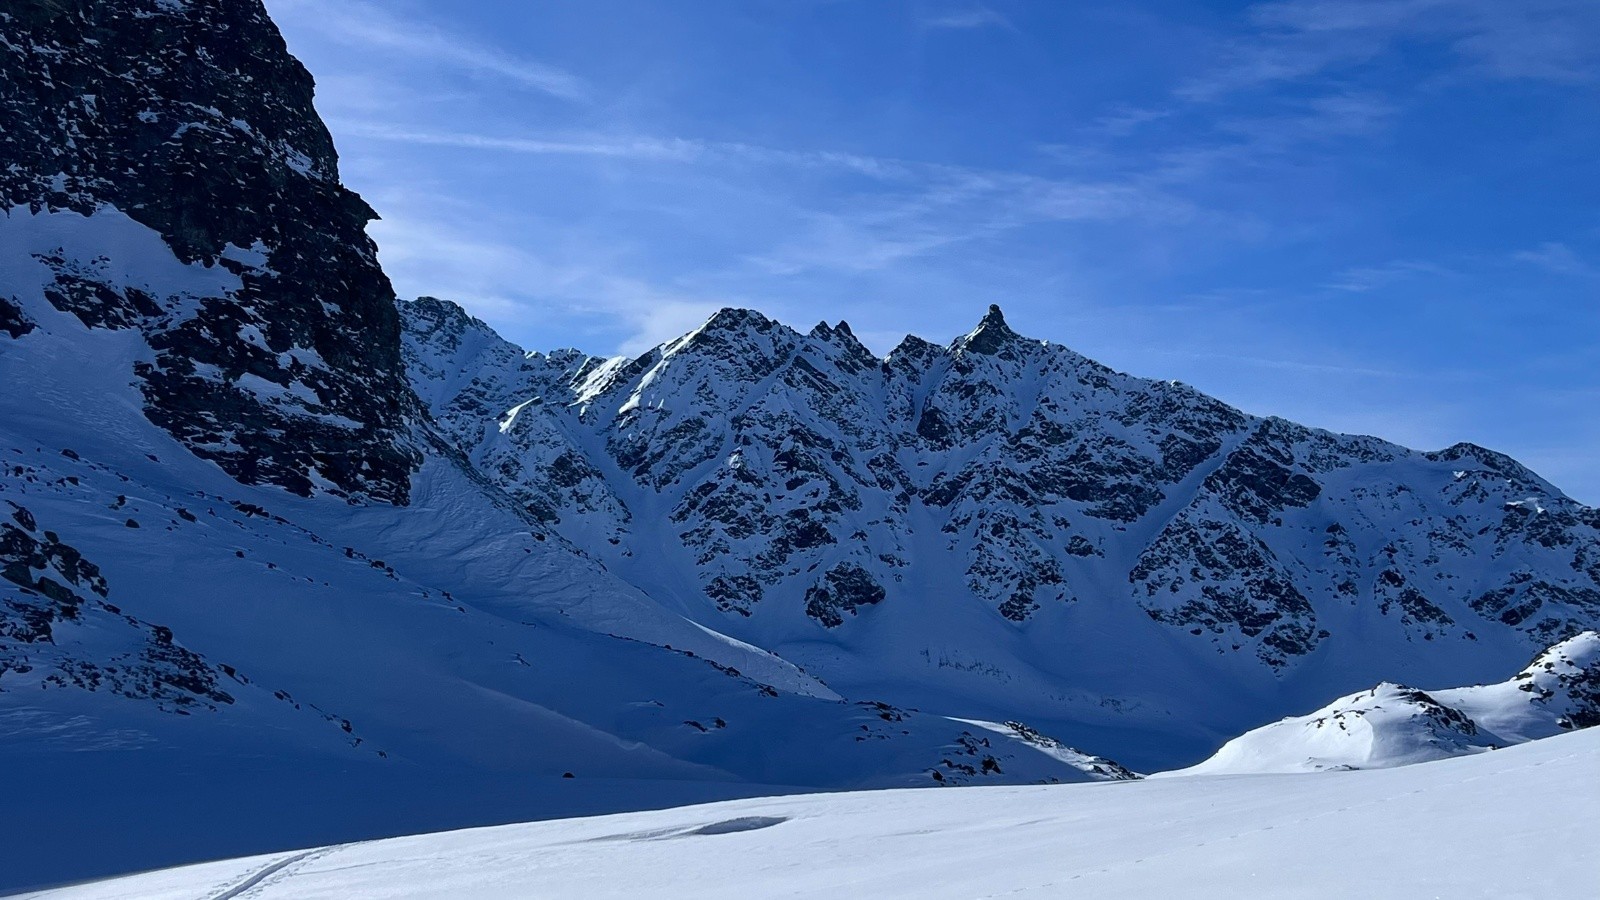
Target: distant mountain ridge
<point x="796" y="465"/>
<point x="795" y="488"/>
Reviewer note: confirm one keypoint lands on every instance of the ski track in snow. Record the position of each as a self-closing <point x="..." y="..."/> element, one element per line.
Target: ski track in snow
<point x="283" y="867"/>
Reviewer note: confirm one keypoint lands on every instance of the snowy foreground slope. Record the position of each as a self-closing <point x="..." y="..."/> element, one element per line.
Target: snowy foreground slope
<point x="1395" y="725"/>
<point x="1517" y="823"/>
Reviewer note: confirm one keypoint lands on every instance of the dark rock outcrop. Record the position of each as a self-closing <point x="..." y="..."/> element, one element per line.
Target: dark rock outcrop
<point x="192" y="118"/>
<point x="46" y="618"/>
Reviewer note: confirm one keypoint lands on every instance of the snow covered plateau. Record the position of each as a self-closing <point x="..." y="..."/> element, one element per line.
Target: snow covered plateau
<point x="286" y="563"/>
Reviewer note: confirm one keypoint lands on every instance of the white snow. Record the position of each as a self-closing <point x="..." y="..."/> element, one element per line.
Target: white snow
<point x="256" y="256"/>
<point x="107" y="246"/>
<point x="1393" y="725"/>
<point x="1535" y="703"/>
<point x="1390" y="725"/>
<point x="480" y="658"/>
<point x="1522" y="822"/>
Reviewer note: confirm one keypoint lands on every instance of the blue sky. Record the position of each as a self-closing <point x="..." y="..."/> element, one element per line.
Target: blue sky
<point x="1377" y="216"/>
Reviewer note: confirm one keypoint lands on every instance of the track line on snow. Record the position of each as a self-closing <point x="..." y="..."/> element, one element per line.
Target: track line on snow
<point x="261" y="875"/>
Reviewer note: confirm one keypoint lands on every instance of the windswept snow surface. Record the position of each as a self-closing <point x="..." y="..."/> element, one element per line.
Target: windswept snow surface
<point x="1521" y="822"/>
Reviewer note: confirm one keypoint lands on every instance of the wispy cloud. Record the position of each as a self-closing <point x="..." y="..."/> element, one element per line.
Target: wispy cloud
<point x="1558" y="258"/>
<point x="1337" y="115"/>
<point x="1125" y="120"/>
<point x="1295" y="365"/>
<point x="364" y="25"/>
<point x="957" y="207"/>
<point x="911" y="209"/>
<point x="539" y="278"/>
<point x="1362" y="279"/>
<point x="664" y="149"/>
<point x="655" y="316"/>
<point x="641" y="148"/>
<point x="1298" y="39"/>
<point x="976" y="17"/>
<point x="822" y="216"/>
<point x="1293" y="133"/>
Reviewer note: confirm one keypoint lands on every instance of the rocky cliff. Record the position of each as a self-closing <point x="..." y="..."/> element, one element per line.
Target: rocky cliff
<point x="191" y="118"/>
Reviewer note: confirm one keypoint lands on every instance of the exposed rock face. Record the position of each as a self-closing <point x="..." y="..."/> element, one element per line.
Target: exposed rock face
<point x="52" y="635"/>
<point x="191" y="117"/>
<point x="783" y="471"/>
<point x="1563" y="683"/>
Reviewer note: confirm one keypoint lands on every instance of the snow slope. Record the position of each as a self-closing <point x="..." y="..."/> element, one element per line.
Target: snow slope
<point x="1394" y="725"/>
<point x="1517" y="823"/>
<point x="1558" y="691"/>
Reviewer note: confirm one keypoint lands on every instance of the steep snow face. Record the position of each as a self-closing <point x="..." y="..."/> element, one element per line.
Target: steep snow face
<point x="1447" y="829"/>
<point x="280" y="360"/>
<point x="1392" y="725"/>
<point x="1003" y="518"/>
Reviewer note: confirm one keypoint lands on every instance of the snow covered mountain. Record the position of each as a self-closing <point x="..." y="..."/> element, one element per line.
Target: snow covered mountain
<point x="1393" y="725"/>
<point x="241" y="570"/>
<point x="1522" y="822"/>
<point x="283" y="564"/>
<point x="1003" y="524"/>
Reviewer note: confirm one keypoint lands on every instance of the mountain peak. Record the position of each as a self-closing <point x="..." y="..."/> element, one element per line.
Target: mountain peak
<point x="731" y="318"/>
<point x="851" y="353"/>
<point x="725" y="324"/>
<point x="439" y="311"/>
<point x="991" y="335"/>
<point x="743" y="337"/>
